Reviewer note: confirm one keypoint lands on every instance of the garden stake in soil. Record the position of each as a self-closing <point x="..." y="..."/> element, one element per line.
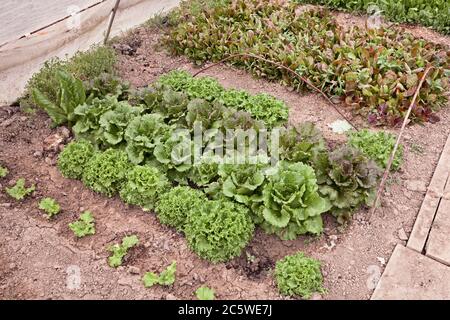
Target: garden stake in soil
<point x="397" y="143"/>
<point x="305" y="80"/>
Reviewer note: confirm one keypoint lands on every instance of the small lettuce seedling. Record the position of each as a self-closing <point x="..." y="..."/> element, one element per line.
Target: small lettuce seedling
<point x="84" y="226"/>
<point x="165" y="278"/>
<point x="205" y="293"/>
<point x="49" y="206"/>
<point x="120" y="250"/>
<point x="19" y="191"/>
<point x="3" y="172"/>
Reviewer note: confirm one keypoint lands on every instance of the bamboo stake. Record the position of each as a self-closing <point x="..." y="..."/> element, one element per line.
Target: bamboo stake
<point x="397" y="143"/>
<point x="111" y="20"/>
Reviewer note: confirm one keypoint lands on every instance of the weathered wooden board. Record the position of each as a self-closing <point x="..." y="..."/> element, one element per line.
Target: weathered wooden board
<point x="410" y="275"/>
<point x="21" y="17"/>
<point x="19" y="59"/>
<point x="438" y="244"/>
<point x="427" y="213"/>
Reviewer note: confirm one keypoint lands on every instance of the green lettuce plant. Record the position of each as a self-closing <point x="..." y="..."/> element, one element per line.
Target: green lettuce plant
<point x="106" y="84"/>
<point x="71" y="93"/>
<point x="292" y="204"/>
<point x="143" y="186"/>
<point x="377" y="146"/>
<point x="218" y="230"/>
<point x="174" y="206"/>
<point x="106" y="172"/>
<point x="267" y="108"/>
<point x="206" y="88"/>
<point x="209" y="115"/>
<point x="84" y="226"/>
<point x="143" y="134"/>
<point x="234" y="98"/>
<point x="74" y="157"/>
<point x="175" y="155"/>
<point x="114" y="122"/>
<point x="165" y="278"/>
<point x="350" y="182"/>
<point x="205" y="293"/>
<point x="243" y="182"/>
<point x="19" y="191"/>
<point x="298" y="275"/>
<point x="88" y="114"/>
<point x="178" y="80"/>
<point x="301" y="143"/>
<point x="119" y="251"/>
<point x="49" y="206"/>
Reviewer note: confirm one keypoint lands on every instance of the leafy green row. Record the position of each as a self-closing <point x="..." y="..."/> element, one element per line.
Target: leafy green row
<point x="375" y="71"/>
<point x="430" y="13"/>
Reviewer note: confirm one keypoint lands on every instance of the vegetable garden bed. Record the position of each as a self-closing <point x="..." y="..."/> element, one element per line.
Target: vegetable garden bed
<point x="247" y="261"/>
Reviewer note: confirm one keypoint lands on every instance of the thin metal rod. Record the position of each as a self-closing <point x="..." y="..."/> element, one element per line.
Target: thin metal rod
<point x="397" y="143"/>
<point x="111" y="20"/>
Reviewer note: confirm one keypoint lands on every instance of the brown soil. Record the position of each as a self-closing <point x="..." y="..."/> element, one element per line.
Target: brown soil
<point x="37" y="254"/>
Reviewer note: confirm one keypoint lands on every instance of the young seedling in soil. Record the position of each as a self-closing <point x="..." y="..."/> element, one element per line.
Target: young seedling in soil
<point x="3" y="172"/>
<point x="84" y="226"/>
<point x="205" y="293"/>
<point x="19" y="191"/>
<point x="50" y="207"/>
<point x="165" y="278"/>
<point x="120" y="250"/>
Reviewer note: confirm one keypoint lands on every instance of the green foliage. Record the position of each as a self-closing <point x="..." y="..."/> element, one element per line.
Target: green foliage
<point x="73" y="159"/>
<point x="234" y="98"/>
<point x="143" y="186"/>
<point x="205" y="172"/>
<point x="174" y="206"/>
<point x="430" y="13"/>
<point x="114" y="122"/>
<point x="301" y="143"/>
<point x="205" y="293"/>
<point x="106" y="172"/>
<point x="175" y="154"/>
<point x="84" y="226"/>
<point x="143" y="134"/>
<point x="209" y="115"/>
<point x="71" y="93"/>
<point x="19" y="191"/>
<point x="3" y="172"/>
<point x="292" y="204"/>
<point x="267" y="108"/>
<point x="49" y="206"/>
<point x="350" y="181"/>
<point x="83" y="66"/>
<point x="298" y="275"/>
<point x="103" y="121"/>
<point x="165" y="278"/>
<point x="375" y="72"/>
<point x="262" y="107"/>
<point x="242" y="182"/>
<point x="177" y="80"/>
<point x="119" y="251"/>
<point x="218" y="230"/>
<point x="204" y="88"/>
<point x="377" y="146"/>
<point x="104" y="85"/>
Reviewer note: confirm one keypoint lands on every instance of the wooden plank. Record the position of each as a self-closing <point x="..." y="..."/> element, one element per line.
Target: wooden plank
<point x="438" y="244"/>
<point x="431" y="202"/>
<point x="410" y="275"/>
<point x="25" y="16"/>
<point x="21" y="58"/>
